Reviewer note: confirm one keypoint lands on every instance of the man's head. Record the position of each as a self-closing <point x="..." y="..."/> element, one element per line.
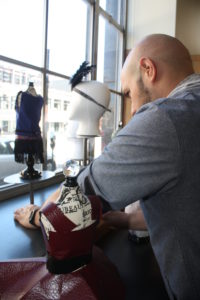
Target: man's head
<point x="154" y="68"/>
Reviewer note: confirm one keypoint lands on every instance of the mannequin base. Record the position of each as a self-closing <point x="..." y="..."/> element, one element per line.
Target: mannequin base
<point x="30" y="174"/>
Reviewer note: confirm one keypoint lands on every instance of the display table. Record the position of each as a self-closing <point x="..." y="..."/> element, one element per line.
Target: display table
<point x="16" y="178"/>
<point x="136" y="264"/>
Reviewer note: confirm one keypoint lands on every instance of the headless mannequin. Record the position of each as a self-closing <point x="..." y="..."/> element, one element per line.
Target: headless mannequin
<point x="28" y="142"/>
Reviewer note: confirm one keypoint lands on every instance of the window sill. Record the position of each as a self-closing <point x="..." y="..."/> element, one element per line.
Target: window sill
<point x="10" y="190"/>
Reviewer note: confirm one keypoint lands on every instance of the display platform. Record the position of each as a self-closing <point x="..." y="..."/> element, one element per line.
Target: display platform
<point x="16" y="178"/>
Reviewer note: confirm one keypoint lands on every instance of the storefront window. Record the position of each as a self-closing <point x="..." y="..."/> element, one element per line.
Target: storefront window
<point x="115" y="8"/>
<point x="110" y="52"/>
<point x="47" y="52"/>
<point x="22" y="24"/>
<point x="68" y="35"/>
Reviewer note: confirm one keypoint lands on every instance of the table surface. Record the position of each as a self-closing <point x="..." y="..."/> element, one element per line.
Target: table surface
<point x="136" y="263"/>
<point x="15" y="178"/>
<point x="16" y="241"/>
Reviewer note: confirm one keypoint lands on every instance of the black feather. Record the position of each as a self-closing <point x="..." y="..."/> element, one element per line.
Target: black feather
<point x="80" y="73"/>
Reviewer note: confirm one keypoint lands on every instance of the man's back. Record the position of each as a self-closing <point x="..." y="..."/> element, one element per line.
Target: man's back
<point x="176" y="240"/>
<point x="156" y="158"/>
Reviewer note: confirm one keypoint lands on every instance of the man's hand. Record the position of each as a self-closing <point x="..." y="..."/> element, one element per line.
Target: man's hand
<point x="131" y="218"/>
<point x="22" y="215"/>
<point x="117" y="219"/>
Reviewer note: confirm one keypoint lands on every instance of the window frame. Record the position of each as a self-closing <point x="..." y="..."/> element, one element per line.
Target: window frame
<point x="91" y="53"/>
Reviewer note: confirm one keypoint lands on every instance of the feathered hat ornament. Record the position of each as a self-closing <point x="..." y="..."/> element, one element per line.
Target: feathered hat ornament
<point x="83" y="70"/>
<point x="77" y="78"/>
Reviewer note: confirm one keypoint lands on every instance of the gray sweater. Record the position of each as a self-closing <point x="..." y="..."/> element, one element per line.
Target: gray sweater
<point x="156" y="158"/>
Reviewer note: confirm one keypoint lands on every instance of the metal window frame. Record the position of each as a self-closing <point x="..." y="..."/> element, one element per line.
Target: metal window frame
<point x="9" y="191"/>
<point x="99" y="11"/>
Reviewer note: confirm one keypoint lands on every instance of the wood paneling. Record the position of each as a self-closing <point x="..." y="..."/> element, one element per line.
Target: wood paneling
<point x="196" y="63"/>
<point x="126" y="110"/>
<point x="126" y="104"/>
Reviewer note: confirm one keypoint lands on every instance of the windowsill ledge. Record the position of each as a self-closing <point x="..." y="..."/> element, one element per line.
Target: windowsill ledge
<point x="10" y="190"/>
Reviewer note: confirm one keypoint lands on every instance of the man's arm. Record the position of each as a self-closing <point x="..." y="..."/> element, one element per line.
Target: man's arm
<point x="133" y="219"/>
<point x="143" y="159"/>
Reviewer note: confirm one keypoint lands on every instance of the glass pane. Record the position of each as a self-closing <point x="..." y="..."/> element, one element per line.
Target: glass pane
<point x="68" y="35"/>
<point x="107" y="126"/>
<point x="12" y="80"/>
<point x="110" y="118"/>
<point x="109" y="60"/>
<point x="62" y="143"/>
<point x="21" y="24"/>
<point x="115" y="8"/>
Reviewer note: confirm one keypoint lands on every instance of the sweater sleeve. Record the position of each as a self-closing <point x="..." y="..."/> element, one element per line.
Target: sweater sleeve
<point x="143" y="159"/>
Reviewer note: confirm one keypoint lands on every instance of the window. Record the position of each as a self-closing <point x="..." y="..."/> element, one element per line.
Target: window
<point x="115" y="8"/>
<point x="68" y="35"/>
<point x="5" y="103"/>
<point x="57" y="120"/>
<point x="7" y="75"/>
<point x="109" y="61"/>
<point x="65" y="105"/>
<point x="23" y="78"/>
<point x="17" y="77"/>
<point x="57" y="104"/>
<point x="22" y="22"/>
<point x="5" y="126"/>
<point x="45" y="42"/>
<point x="109" y="54"/>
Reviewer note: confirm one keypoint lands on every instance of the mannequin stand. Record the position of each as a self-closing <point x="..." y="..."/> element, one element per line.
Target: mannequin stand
<point x="85" y="141"/>
<point x="30" y="172"/>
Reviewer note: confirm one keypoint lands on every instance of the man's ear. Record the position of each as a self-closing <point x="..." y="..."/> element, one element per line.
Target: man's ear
<point x="148" y="68"/>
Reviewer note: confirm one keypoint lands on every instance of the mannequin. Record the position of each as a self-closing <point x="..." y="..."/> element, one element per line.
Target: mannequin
<point x="90" y="99"/>
<point x="74" y="143"/>
<point x="28" y="142"/>
<point x="88" y="111"/>
<point x="31" y="90"/>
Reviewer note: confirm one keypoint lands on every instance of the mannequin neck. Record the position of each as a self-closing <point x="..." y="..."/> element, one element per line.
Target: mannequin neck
<point x="89" y="129"/>
<point x="31" y="90"/>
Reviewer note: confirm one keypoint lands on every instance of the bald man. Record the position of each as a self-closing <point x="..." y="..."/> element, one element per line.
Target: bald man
<point x="156" y="158"/>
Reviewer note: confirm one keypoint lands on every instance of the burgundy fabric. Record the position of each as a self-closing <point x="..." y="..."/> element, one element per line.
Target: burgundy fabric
<point x="99" y="280"/>
<point x="65" y="243"/>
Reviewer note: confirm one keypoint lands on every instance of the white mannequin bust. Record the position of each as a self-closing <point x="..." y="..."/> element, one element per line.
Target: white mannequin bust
<point x="86" y="111"/>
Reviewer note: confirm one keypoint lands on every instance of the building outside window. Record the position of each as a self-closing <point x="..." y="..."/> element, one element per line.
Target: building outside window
<point x="57" y="104"/>
<point x="17" y="77"/>
<point x="65" y="105"/>
<point x="7" y="75"/>
<point x="46" y="47"/>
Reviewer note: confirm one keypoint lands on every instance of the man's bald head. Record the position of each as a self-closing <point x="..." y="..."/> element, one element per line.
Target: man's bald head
<point x="161" y="48"/>
<point x="154" y="68"/>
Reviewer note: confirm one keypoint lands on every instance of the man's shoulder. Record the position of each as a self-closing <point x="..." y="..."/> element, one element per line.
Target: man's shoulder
<point x="153" y="111"/>
<point x="150" y="118"/>
<point x="166" y="116"/>
<point x="172" y="106"/>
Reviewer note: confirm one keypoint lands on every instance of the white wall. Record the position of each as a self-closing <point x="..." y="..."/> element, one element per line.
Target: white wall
<point x="150" y="16"/>
<point x="188" y="24"/>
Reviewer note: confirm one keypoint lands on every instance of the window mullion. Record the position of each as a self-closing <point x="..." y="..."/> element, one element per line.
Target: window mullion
<point x="45" y="92"/>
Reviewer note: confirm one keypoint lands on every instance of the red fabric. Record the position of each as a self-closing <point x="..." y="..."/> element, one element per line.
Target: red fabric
<point x="99" y="280"/>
